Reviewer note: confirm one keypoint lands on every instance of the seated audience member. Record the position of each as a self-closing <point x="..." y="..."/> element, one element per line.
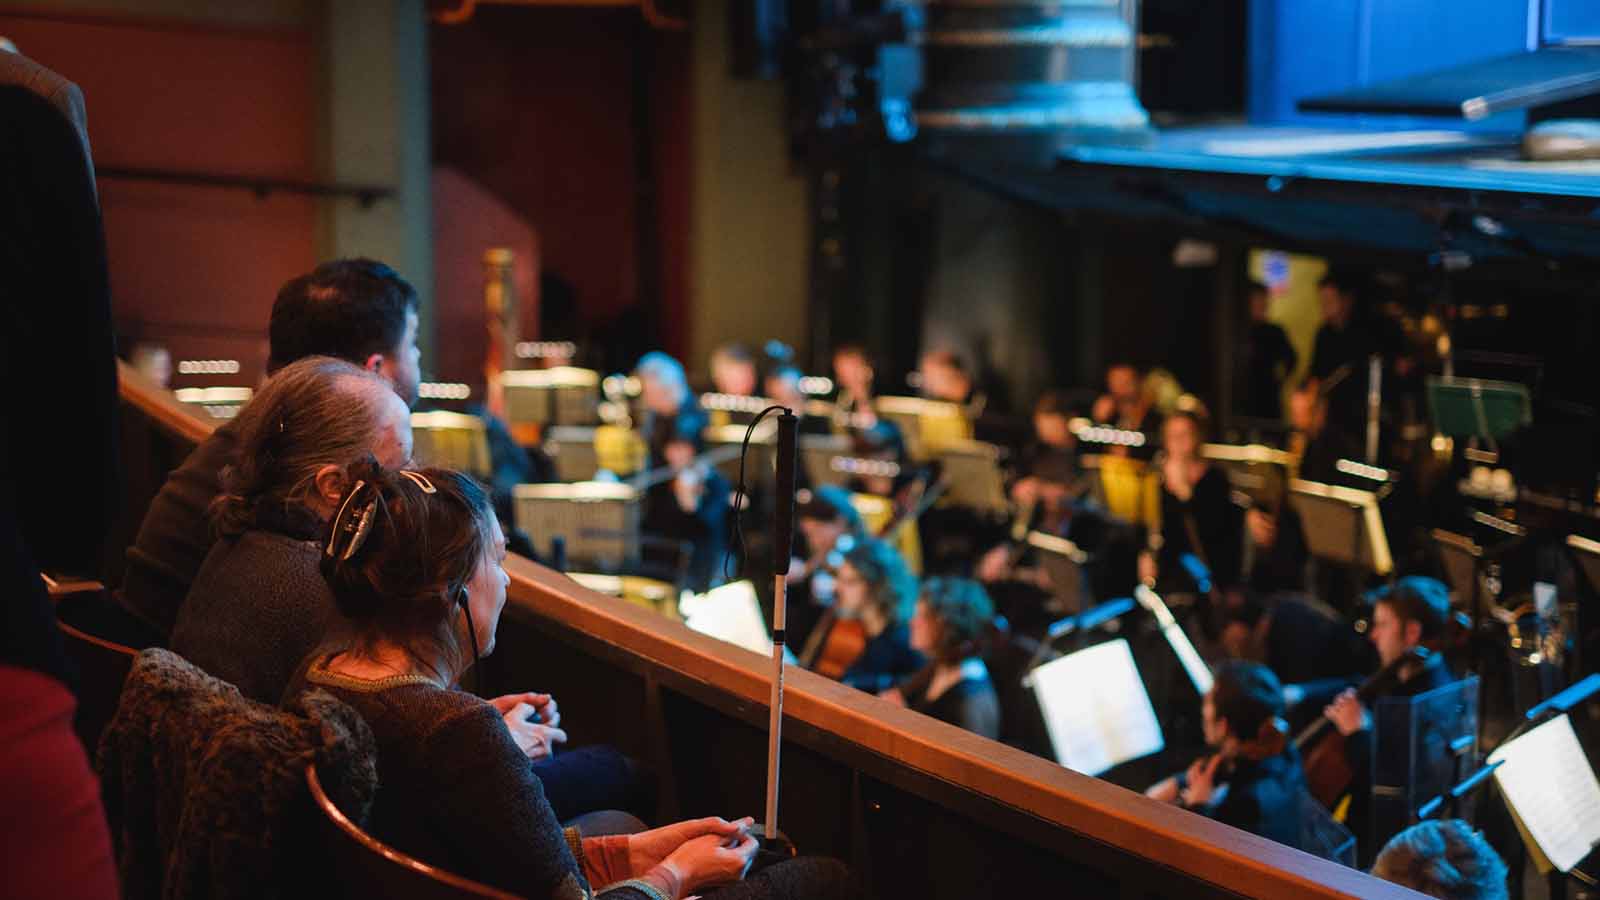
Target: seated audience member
<point x="356" y="310"/>
<point x="951" y="618"/>
<point x="1253" y="780"/>
<point x="875" y="588"/>
<point x="414" y="560"/>
<point x="1126" y="405"/>
<point x="1448" y="860"/>
<point x="257" y="607"/>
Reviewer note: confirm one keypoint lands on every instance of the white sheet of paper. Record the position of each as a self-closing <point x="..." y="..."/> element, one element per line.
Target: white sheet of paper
<point x="730" y="613"/>
<point x="1548" y="782"/>
<point x="1096" y="709"/>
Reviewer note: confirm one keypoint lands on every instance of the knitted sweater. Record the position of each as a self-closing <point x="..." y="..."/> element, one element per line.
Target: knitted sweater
<point x="257" y="609"/>
<point x="457" y="792"/>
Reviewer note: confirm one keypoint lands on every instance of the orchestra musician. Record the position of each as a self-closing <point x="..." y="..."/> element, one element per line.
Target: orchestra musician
<point x="1413" y="612"/>
<point x="782" y="385"/>
<point x="733" y="370"/>
<point x="875" y="589"/>
<point x="1128" y="406"/>
<point x="829" y="525"/>
<point x="692" y="504"/>
<point x="951" y="618"/>
<point x="1198" y="516"/>
<point x="1265" y="359"/>
<point x="1253" y="780"/>
<point x="854" y="410"/>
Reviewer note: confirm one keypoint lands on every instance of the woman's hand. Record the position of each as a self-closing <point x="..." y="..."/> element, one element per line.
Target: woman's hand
<point x="711" y="860"/>
<point x="1202" y="778"/>
<point x="535" y="740"/>
<point x="544" y="706"/>
<point x="648" y="848"/>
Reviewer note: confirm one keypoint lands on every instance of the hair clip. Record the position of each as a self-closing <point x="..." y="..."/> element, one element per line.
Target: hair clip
<point x="357" y="529"/>
<point x="420" y="481"/>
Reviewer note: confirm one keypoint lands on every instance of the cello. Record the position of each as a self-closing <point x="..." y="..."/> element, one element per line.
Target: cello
<point x="836" y="643"/>
<point x="1328" y="772"/>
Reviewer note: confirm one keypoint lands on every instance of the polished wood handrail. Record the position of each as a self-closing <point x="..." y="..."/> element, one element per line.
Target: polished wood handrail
<point x="159" y="404"/>
<point x="1158" y="834"/>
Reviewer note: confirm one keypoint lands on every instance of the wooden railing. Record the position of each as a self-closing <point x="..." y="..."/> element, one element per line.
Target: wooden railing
<point x="919" y="808"/>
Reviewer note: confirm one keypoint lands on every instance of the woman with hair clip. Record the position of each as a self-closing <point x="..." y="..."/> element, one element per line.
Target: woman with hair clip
<point x="1253" y="780"/>
<point x="875" y="587"/>
<point x="415" y="561"/>
<point x="951" y="618"/>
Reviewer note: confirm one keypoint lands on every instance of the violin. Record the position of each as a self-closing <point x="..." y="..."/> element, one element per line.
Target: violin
<point x="1270" y="740"/>
<point x="1328" y="772"/>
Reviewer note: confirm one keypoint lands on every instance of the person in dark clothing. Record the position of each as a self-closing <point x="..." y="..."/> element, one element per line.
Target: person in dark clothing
<point x="1265" y="359"/>
<point x="1447" y="859"/>
<point x="1198" y="516"/>
<point x="415" y="563"/>
<point x="783" y="387"/>
<point x="946" y="377"/>
<point x="670" y="409"/>
<point x="1127" y="406"/>
<point x="876" y="589"/>
<point x="1253" y="781"/>
<point x="1412" y="612"/>
<point x="1340" y="352"/>
<point x="61" y="479"/>
<point x="257" y="607"/>
<point x="951" y="618"/>
<point x="828" y="525"/>
<point x="357" y="310"/>
<point x="1314" y="653"/>
<point x="692" y="506"/>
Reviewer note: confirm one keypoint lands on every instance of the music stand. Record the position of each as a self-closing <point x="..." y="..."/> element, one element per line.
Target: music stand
<point x="1063" y="562"/>
<point x="760" y="465"/>
<point x="816" y="457"/>
<point x="1259" y="472"/>
<point x="1093" y="730"/>
<point x="1474" y="407"/>
<point x="599" y="521"/>
<point x="1552" y="793"/>
<point x="973" y="471"/>
<point x="562" y="395"/>
<point x="925" y="425"/>
<point x="571" y="451"/>
<point x="1342" y="525"/>
<point x="1419" y="746"/>
<point x="451" y="440"/>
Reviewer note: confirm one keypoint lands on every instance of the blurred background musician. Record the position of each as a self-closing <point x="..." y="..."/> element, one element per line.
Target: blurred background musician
<point x="670" y="409"/>
<point x="1128" y="406"/>
<point x="357" y="310"/>
<point x="1198" y="516"/>
<point x="733" y="370"/>
<point x="875" y="592"/>
<point x="1313" y="651"/>
<point x="951" y="618"/>
<point x="782" y="386"/>
<point x="690" y="503"/>
<point x="829" y="525"/>
<point x="1413" y="612"/>
<point x="1265" y="360"/>
<point x="1253" y="780"/>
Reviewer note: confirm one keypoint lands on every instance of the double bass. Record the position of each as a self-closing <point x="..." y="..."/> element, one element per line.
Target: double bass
<point x="1328" y="772"/>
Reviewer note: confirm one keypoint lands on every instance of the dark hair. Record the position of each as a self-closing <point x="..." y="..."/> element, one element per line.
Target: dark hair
<point x="831" y="503"/>
<point x="1420" y="599"/>
<point x="1248" y="696"/>
<point x="1342" y="280"/>
<point x="948" y="358"/>
<point x="314" y="412"/>
<point x="410" y="570"/>
<point x="1052" y="403"/>
<point x="964" y="612"/>
<point x="733" y="352"/>
<point x="347" y="308"/>
<point x="890" y="585"/>
<point x="1444" y="859"/>
<point x="1254" y="287"/>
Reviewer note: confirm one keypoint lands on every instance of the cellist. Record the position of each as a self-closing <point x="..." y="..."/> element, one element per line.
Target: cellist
<point x="1413" y="612"/>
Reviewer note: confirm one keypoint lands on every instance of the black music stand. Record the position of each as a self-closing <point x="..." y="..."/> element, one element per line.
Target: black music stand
<point x="1342" y="525"/>
<point x="1063" y="561"/>
<point x="1259" y="472"/>
<point x="1422" y="747"/>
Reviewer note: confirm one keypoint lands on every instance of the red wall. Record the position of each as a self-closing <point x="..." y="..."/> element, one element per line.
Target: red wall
<point x="193" y="268"/>
<point x="537" y="106"/>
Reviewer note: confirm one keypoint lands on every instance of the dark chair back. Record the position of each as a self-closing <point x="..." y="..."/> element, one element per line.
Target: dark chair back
<point x="366" y="867"/>
<point x="102" y="666"/>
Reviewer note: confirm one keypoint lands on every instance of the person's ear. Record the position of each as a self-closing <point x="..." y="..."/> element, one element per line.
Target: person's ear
<point x="329" y="483"/>
<point x="374" y="363"/>
<point x="1413" y="633"/>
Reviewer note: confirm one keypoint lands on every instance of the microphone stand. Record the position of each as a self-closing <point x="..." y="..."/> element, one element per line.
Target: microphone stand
<point x="775" y="847"/>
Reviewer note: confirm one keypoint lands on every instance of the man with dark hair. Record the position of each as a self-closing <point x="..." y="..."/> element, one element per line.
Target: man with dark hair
<point x="1265" y="359"/>
<point x="357" y="310"/>
<point x="1415" y="610"/>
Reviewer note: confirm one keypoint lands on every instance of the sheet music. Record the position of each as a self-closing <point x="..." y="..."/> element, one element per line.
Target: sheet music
<point x="1549" y="785"/>
<point x="1096" y="709"/>
<point x="730" y="613"/>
